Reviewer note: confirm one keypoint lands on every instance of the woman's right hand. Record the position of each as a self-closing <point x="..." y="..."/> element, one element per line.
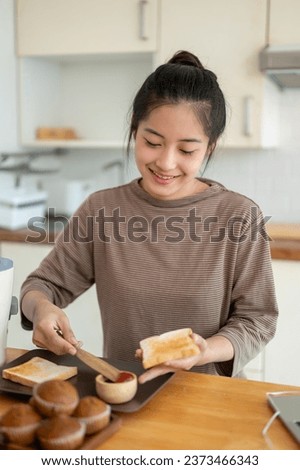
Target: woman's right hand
<point x="47" y="320"/>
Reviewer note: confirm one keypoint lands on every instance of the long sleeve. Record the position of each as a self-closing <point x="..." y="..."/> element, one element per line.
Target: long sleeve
<point x="253" y="312"/>
<point x="68" y="270"/>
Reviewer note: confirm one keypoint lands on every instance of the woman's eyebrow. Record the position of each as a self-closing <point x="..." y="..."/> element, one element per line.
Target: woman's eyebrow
<point x="152" y="131"/>
<point x="199" y="141"/>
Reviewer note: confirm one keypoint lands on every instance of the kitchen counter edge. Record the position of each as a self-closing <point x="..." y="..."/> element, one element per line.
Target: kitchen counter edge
<point x="284" y="239"/>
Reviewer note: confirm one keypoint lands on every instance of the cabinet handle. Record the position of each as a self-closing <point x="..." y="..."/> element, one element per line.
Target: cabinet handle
<point x="142" y="19"/>
<point x="248" y="115"/>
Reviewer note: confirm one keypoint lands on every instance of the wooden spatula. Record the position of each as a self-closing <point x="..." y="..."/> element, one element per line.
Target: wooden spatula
<point x="101" y="366"/>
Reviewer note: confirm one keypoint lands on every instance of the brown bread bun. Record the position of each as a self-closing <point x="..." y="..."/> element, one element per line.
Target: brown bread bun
<point x="54" y="397"/>
<point x="93" y="412"/>
<point x="19" y="424"/>
<point x="61" y="433"/>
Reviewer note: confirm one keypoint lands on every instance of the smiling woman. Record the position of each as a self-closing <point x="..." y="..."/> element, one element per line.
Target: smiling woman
<point x="170" y="147"/>
<point x="169" y="250"/>
<point x="177" y="117"/>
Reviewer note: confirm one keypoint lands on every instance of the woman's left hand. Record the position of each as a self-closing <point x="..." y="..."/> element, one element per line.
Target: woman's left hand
<point x="177" y="364"/>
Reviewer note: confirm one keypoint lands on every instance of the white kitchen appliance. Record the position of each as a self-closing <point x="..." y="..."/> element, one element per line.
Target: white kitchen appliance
<point x="8" y="304"/>
<point x="76" y="191"/>
<point x="19" y="205"/>
<point x="282" y="64"/>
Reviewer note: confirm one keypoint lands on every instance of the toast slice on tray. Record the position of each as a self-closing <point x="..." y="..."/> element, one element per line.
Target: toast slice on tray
<point x="36" y="370"/>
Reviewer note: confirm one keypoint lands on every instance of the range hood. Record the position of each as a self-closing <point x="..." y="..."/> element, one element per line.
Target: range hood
<point x="282" y="64"/>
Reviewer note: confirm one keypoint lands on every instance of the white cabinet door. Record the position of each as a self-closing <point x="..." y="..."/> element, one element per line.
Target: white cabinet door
<point x="58" y="27"/>
<point x="284" y="22"/>
<point x="84" y="312"/>
<point x="255" y="369"/>
<point x="283" y="352"/>
<point x="227" y="37"/>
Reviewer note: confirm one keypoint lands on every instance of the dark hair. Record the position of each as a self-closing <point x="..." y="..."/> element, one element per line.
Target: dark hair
<point x="182" y="78"/>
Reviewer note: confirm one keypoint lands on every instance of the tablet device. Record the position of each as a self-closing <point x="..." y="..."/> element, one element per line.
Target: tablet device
<point x="288" y="406"/>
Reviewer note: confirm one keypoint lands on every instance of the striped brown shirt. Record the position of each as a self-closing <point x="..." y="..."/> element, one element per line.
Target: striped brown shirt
<point x="201" y="262"/>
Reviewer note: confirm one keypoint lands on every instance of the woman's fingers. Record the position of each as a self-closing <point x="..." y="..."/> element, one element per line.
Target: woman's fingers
<point x="153" y="373"/>
<point x="52" y="337"/>
<point x="199" y="341"/>
<point x="138" y="354"/>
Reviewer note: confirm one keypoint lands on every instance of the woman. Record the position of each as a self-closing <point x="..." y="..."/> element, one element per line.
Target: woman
<point x="168" y="250"/>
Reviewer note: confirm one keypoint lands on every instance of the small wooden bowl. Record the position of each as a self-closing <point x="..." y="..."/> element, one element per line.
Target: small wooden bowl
<point x="116" y="392"/>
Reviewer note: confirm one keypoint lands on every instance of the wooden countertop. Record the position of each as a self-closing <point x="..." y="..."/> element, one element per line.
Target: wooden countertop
<point x="197" y="411"/>
<point x="284" y="244"/>
<point x="14" y="235"/>
<point x="45" y="234"/>
<point x="285" y="241"/>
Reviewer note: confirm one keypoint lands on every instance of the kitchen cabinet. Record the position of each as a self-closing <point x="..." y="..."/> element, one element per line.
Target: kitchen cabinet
<point x="92" y="95"/>
<point x="284" y="22"/>
<point x="81" y="62"/>
<point x="255" y="369"/>
<point x="83" y="312"/>
<point x="283" y="352"/>
<point x="227" y="37"/>
<point x="59" y="27"/>
<point x="278" y="361"/>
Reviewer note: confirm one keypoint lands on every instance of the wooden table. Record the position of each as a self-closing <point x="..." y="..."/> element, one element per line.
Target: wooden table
<point x="197" y="411"/>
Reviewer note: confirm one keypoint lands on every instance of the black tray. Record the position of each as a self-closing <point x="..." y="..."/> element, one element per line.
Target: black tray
<point x="84" y="381"/>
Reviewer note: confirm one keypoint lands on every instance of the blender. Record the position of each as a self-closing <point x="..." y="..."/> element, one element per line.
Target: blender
<point x="8" y="303"/>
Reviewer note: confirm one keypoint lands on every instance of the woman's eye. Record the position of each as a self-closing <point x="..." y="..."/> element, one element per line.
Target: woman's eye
<point x="187" y="152"/>
<point x="151" y="144"/>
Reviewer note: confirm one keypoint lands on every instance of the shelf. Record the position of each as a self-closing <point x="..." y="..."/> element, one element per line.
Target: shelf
<point x="91" y="97"/>
<point x="80" y="143"/>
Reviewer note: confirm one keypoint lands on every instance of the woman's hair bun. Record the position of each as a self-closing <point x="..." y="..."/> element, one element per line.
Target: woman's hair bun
<point x="186" y="58"/>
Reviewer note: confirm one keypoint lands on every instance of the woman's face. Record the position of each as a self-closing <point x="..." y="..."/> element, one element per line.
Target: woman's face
<point x="170" y="146"/>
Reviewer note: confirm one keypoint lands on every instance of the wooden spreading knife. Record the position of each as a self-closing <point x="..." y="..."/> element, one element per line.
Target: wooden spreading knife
<point x="99" y="365"/>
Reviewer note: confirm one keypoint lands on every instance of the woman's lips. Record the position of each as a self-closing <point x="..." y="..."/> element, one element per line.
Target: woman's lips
<point x="165" y="179"/>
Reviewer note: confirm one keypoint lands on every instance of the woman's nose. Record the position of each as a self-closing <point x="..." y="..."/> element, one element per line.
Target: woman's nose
<point x="167" y="159"/>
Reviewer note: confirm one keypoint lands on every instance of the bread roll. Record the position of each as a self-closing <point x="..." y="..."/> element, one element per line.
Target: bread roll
<point x="38" y="370"/>
<point x="56" y="133"/>
<point x="175" y="344"/>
